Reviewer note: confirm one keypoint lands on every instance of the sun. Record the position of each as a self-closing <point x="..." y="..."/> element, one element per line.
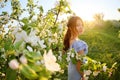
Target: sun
<point x="86" y="11"/>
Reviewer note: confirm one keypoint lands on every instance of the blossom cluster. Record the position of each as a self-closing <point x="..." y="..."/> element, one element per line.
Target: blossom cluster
<point x="32" y="55"/>
<point x="90" y="67"/>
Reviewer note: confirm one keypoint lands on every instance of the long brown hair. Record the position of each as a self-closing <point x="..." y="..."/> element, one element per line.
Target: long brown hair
<point x="72" y="32"/>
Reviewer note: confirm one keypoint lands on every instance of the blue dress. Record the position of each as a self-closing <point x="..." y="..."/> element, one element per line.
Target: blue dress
<point x="78" y="45"/>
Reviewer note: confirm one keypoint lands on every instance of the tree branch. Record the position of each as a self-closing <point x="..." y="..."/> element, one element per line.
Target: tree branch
<point x="57" y="13"/>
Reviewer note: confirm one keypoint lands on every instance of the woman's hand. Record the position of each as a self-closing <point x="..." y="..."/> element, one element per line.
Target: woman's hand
<point x="79" y="63"/>
<point x="83" y="78"/>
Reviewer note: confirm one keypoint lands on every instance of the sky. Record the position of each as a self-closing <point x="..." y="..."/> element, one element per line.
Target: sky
<point x="83" y="8"/>
<point x="87" y="8"/>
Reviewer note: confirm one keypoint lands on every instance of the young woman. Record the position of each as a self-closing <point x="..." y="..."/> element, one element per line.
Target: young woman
<point x="75" y="28"/>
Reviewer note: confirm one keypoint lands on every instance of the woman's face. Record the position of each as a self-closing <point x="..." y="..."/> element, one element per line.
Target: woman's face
<point x="79" y="26"/>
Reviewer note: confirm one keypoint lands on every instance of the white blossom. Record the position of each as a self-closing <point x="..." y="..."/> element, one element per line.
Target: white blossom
<point x="55" y="35"/>
<point x="69" y="53"/>
<point x="87" y="72"/>
<point x="110" y="73"/>
<point x="38" y="62"/>
<point x="60" y="27"/>
<point x="60" y="56"/>
<point x="41" y="42"/>
<point x="50" y="40"/>
<point x="13" y="64"/>
<point x="104" y="68"/>
<point x="23" y="59"/>
<point x="49" y="33"/>
<point x="95" y="73"/>
<point x="4" y="18"/>
<point x="68" y="56"/>
<point x="85" y="60"/>
<point x="50" y="61"/>
<point x="15" y="30"/>
<point x="3" y="74"/>
<point x="19" y="34"/>
<point x="86" y="78"/>
<point x="72" y="54"/>
<point x="3" y="56"/>
<point x="2" y="49"/>
<point x="29" y="48"/>
<point x="33" y="39"/>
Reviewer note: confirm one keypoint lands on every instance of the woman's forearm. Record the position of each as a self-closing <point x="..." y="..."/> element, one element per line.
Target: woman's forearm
<point x="78" y="66"/>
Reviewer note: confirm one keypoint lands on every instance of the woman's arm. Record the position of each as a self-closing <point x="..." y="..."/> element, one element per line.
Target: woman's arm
<point x="79" y="63"/>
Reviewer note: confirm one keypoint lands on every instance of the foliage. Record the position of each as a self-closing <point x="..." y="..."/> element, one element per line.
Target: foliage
<point x="25" y="47"/>
<point x="91" y="67"/>
<point x="104" y="44"/>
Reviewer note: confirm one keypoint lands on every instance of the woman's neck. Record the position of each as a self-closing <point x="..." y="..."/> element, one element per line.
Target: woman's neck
<point x="77" y="38"/>
<point x="72" y="40"/>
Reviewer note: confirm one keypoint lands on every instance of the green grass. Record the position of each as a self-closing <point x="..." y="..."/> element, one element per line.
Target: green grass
<point x="103" y="43"/>
<point x="104" y="46"/>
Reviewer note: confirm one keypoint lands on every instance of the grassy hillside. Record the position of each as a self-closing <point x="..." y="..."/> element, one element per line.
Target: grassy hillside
<point x="103" y="42"/>
<point x="104" y="45"/>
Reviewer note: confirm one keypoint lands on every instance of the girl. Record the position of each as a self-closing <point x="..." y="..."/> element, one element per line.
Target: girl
<point x="75" y="28"/>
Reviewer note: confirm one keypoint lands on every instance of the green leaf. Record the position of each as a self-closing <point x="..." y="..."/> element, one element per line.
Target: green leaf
<point x="25" y="21"/>
<point x="114" y="64"/>
<point x="8" y="45"/>
<point x="94" y="67"/>
<point x="33" y="55"/>
<point x="11" y="74"/>
<point x="74" y="61"/>
<point x="41" y="9"/>
<point x="18" y="44"/>
<point x="4" y="13"/>
<point x="36" y="68"/>
<point x="28" y="72"/>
